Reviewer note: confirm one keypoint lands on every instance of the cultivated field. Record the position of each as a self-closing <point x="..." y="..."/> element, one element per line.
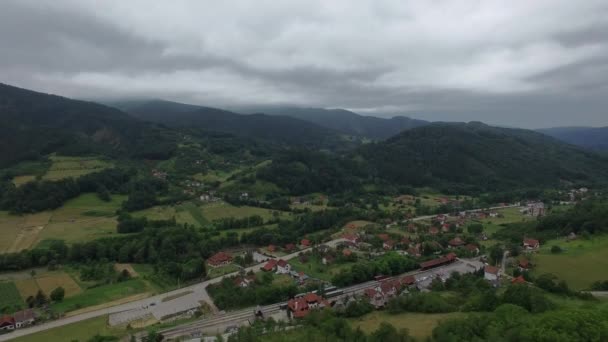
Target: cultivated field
<point x="81" y="219"/>
<point x="582" y="262"/>
<point x="20" y="180"/>
<point x="419" y="326"/>
<point x="65" y="167"/>
<point x="9" y="296"/>
<point x="47" y="282"/>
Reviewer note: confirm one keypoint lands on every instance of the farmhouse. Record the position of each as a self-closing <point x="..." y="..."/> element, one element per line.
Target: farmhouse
<point x="24" y="318"/>
<point x="7" y="323"/>
<point x="433" y="231"/>
<point x="518" y="280"/>
<point x="244" y="282"/>
<point x="531" y="244"/>
<point x="219" y="259"/>
<point x="290" y="247"/>
<point x="305" y="243"/>
<point x="491" y="273"/>
<point x="272" y="248"/>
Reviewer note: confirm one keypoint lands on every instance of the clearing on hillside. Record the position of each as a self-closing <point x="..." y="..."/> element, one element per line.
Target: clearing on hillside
<point x="65" y="167"/>
<point x="420" y="326"/>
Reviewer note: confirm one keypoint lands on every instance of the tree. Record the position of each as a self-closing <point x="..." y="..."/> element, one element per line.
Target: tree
<point x="556" y="249"/>
<point x="57" y="294"/>
<point x="41" y="298"/>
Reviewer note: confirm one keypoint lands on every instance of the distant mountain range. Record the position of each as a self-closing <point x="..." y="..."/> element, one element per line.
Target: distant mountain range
<point x="595" y="138"/>
<point x="282" y="129"/>
<point x="347" y="122"/>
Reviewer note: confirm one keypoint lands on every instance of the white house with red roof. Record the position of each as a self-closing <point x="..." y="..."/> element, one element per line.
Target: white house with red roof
<point x="219" y="259"/>
<point x="283" y="267"/>
<point x="531" y="244"/>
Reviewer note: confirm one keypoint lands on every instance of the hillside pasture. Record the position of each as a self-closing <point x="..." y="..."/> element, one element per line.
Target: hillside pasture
<point x="65" y="167"/>
<point x="581" y="263"/>
<point x="20" y="180"/>
<point x="420" y="326"/>
<point x="9" y="296"/>
<point x="219" y="210"/>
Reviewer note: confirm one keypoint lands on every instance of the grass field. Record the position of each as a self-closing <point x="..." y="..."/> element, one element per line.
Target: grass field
<point x="215" y="211"/>
<point x="580" y="264"/>
<point x="81" y="331"/>
<point x="102" y="294"/>
<point x="420" y="326"/>
<point x="47" y="282"/>
<point x="81" y="219"/>
<point x="65" y="167"/>
<point x="214" y="272"/>
<point x="9" y="296"/>
<point x="20" y="180"/>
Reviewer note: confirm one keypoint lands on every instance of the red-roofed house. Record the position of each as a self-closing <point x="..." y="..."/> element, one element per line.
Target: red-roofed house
<point x="405" y="242"/>
<point x="219" y="259"/>
<point x="270" y="266"/>
<point x="445" y="228"/>
<point x="531" y="244"/>
<point x="524" y="265"/>
<point x="472" y="248"/>
<point x="300" y="307"/>
<point x="375" y="297"/>
<point x="290" y="247"/>
<point x="433" y="231"/>
<point x="24" y="318"/>
<point x="388" y="245"/>
<point x="305" y="242"/>
<point x="491" y="273"/>
<point x="456" y="242"/>
<point x="272" y="248"/>
<point x="351" y="237"/>
<point x="283" y="267"/>
<point x="347" y="252"/>
<point x="414" y="251"/>
<point x="7" y="323"/>
<point x="244" y="282"/>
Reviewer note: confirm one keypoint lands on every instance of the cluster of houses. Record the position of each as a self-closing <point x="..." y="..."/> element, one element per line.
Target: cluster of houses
<point x="281" y="266"/>
<point x="380" y="295"/>
<point x="301" y="306"/>
<point x="534" y="209"/>
<point x="18" y="320"/>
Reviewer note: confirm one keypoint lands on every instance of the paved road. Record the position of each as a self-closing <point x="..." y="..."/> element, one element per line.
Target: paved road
<point x="198" y="293"/>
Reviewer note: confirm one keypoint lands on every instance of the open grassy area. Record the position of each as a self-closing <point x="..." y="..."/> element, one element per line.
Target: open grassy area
<point x="20" y="180"/>
<point x="214" y="272"/>
<point x="102" y="294"/>
<point x="81" y="219"/>
<point x="81" y="331"/>
<point x="64" y="167"/>
<point x="420" y="326"/>
<point x="580" y="264"/>
<point x="219" y="210"/>
<point x="9" y="296"/>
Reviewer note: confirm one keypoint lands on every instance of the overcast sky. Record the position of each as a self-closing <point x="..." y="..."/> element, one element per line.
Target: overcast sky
<point x="518" y="63"/>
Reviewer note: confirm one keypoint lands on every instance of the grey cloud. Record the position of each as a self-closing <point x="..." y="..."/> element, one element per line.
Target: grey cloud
<point x="494" y="65"/>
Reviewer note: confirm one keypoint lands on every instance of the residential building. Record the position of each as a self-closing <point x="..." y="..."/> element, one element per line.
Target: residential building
<point x="270" y="266"/>
<point x="24" y="318"/>
<point x="456" y="242"/>
<point x="300" y="307"/>
<point x="283" y="267"/>
<point x="531" y="244"/>
<point x="219" y="259"/>
<point x="7" y="323"/>
<point x="491" y="273"/>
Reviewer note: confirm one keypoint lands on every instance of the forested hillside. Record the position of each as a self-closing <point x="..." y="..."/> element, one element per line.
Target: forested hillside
<point x="349" y="122"/>
<point x="481" y="157"/>
<point x="34" y="124"/>
<point x="280" y="129"/>
<point x="455" y="158"/>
